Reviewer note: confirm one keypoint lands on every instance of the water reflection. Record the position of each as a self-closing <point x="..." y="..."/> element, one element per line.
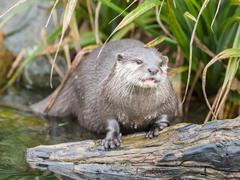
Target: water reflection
<point x="20" y="129"/>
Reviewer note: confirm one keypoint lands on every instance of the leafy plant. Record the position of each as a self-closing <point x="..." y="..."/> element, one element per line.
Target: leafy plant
<point x="190" y="32"/>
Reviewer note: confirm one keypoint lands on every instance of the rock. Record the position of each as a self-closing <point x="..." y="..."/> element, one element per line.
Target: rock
<point x="20" y="98"/>
<point x="24" y="27"/>
<point x="36" y="75"/>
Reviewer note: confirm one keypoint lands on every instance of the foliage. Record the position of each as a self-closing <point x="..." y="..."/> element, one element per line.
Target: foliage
<point x="190" y="32"/>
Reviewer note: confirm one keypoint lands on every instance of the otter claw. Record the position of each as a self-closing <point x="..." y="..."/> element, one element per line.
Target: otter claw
<point x="158" y="126"/>
<point x="153" y="133"/>
<point x="112" y="142"/>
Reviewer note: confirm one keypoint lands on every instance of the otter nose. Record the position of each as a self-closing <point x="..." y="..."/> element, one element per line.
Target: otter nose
<point x="153" y="70"/>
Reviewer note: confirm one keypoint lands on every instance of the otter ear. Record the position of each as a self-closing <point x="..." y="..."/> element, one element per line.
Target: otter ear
<point x="120" y="57"/>
<point x="165" y="60"/>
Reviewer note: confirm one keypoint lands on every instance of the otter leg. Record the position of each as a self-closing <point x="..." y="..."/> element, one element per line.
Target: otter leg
<point x="159" y="124"/>
<point x="113" y="136"/>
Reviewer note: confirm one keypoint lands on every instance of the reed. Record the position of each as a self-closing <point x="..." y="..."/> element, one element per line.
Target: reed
<point x="193" y="33"/>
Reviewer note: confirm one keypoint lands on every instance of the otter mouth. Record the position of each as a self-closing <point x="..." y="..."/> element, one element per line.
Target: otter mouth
<point x="149" y="82"/>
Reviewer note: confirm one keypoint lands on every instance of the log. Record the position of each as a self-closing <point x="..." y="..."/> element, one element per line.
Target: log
<point x="189" y="151"/>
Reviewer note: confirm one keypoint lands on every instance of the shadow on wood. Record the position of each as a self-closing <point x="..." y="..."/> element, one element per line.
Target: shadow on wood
<point x="193" y="151"/>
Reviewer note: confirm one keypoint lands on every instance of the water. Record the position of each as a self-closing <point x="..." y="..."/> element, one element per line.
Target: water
<point x="20" y="130"/>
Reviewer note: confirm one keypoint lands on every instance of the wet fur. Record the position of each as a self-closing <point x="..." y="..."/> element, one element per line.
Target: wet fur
<point x="99" y="91"/>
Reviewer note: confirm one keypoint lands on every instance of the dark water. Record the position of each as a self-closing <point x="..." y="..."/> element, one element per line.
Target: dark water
<point x="20" y="129"/>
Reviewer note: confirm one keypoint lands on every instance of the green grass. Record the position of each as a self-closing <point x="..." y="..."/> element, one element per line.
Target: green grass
<point x="216" y="26"/>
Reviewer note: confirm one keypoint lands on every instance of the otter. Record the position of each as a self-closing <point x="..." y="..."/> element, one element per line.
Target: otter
<point x="125" y="87"/>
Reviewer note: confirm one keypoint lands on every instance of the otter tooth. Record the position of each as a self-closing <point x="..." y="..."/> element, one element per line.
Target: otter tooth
<point x="149" y="117"/>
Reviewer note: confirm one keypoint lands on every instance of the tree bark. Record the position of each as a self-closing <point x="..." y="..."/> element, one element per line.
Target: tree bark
<point x="190" y="151"/>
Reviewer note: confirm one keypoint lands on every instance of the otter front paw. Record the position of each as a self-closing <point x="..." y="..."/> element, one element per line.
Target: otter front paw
<point x="158" y="125"/>
<point x="153" y="133"/>
<point x="112" y="141"/>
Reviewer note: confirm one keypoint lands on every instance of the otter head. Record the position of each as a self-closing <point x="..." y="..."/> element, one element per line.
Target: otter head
<point x="142" y="67"/>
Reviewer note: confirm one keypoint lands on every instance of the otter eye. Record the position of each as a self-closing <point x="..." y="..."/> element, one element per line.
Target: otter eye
<point x="138" y="61"/>
<point x="161" y="64"/>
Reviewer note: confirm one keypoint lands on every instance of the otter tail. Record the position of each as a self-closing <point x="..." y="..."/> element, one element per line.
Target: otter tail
<point x="61" y="107"/>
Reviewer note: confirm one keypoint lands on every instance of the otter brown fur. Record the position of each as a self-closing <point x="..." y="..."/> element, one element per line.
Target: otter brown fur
<point x="126" y="87"/>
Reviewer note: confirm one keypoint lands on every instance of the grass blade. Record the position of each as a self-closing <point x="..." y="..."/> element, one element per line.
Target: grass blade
<point x="156" y="41"/>
<point x="31" y="56"/>
<point x="130" y="17"/>
<point x="142" y="8"/>
<point x="191" y="47"/>
<point x="228" y="53"/>
<point x="122" y="12"/>
<point x="66" y="21"/>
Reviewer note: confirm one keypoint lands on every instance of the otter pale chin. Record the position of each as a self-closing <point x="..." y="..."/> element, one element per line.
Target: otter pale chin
<point x="149" y="83"/>
<point x="125" y="88"/>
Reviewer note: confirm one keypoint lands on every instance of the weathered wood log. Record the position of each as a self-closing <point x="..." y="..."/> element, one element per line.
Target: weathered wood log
<point x="192" y="151"/>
